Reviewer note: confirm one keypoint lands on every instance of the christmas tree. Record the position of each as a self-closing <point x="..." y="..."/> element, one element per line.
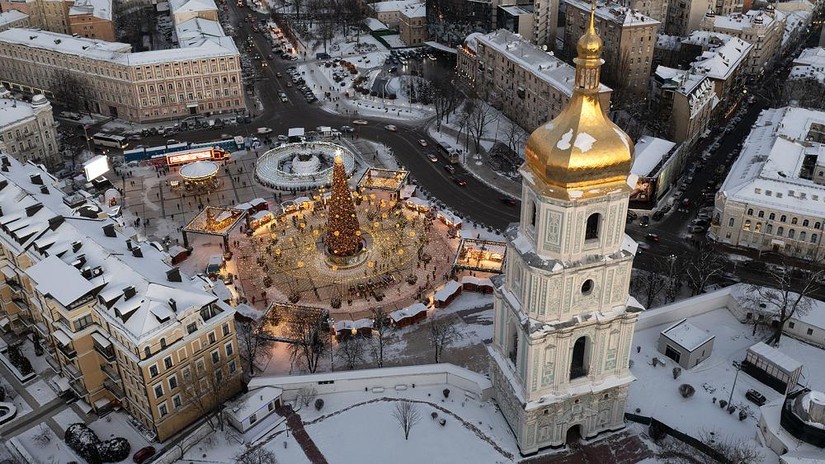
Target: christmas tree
<point x="343" y="234"/>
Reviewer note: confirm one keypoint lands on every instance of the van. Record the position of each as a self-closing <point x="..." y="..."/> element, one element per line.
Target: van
<point x="213" y="267"/>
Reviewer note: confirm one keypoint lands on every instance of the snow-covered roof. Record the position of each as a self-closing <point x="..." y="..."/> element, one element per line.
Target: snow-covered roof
<point x="810" y="64"/>
<point x="767" y="171"/>
<point x="447" y="290"/>
<point x="741" y="21"/>
<point x="545" y="66"/>
<point x="679" y="80"/>
<point x="98" y="8"/>
<point x="723" y="55"/>
<point x="195" y="31"/>
<point x="395" y="5"/>
<point x="10" y="17"/>
<point x="77" y="257"/>
<point x="414" y="10"/>
<point x="253" y="402"/>
<point x="348" y="324"/>
<point x="778" y="358"/>
<point x="687" y="335"/>
<point x="375" y="25"/>
<point x="615" y="12"/>
<point x="668" y="42"/>
<point x="650" y="151"/>
<point x="410" y="311"/>
<point x="14" y="112"/>
<point x="180" y="6"/>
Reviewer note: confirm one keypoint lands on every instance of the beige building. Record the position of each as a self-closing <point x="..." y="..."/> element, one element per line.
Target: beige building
<point x="412" y="24"/>
<point x="202" y="77"/>
<point x="654" y="9"/>
<point x="527" y="84"/>
<point x="684" y="17"/>
<point x="13" y="18"/>
<point x="51" y="15"/>
<point x="120" y="326"/>
<point x="184" y="10"/>
<point x="685" y="99"/>
<point x="629" y="39"/>
<point x="774" y="196"/>
<point x="92" y="19"/>
<point x="389" y="12"/>
<point x="721" y="57"/>
<point x="563" y="320"/>
<point x="28" y="130"/>
<point x="762" y="29"/>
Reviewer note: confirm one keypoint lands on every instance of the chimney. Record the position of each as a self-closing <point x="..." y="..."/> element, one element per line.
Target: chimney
<point x="36" y="179"/>
<point x="76" y="245"/>
<point x="109" y="230"/>
<point x="97" y="271"/>
<point x="44" y="189"/>
<point x="55" y="222"/>
<point x="79" y="261"/>
<point x="129" y="292"/>
<point x="31" y="210"/>
<point x="129" y="244"/>
<point x="173" y="275"/>
<point x="3" y="184"/>
<point x="86" y="272"/>
<point x="173" y="304"/>
<point x="137" y="252"/>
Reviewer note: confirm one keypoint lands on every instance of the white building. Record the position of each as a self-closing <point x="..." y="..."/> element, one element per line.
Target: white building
<point x="28" y="130"/>
<point x="564" y="322"/>
<point x="774" y="196"/>
<point x="13" y="18"/>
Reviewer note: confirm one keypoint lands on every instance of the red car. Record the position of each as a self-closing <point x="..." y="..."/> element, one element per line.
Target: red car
<point x="459" y="181"/>
<point x="143" y="454"/>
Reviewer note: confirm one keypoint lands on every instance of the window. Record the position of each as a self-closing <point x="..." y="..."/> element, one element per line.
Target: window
<point x="791" y="233"/>
<point x="211" y="337"/>
<point x="587" y="287"/>
<point x="761" y="214"/>
<point x="793" y="220"/>
<point x="816" y="226"/>
<point x="229" y="349"/>
<point x="153" y="371"/>
<point x="772" y="216"/>
<point x="730" y="222"/>
<point x="750" y="211"/>
<point x="813" y="238"/>
<point x="578" y="365"/>
<point x="147" y="351"/>
<point x="810" y="331"/>
<point x="769" y="229"/>
<point x="163" y="343"/>
<point x="805" y="223"/>
<point x="176" y="401"/>
<point x="167" y="362"/>
<point x="253" y="418"/>
<point x="802" y="236"/>
<point x="232" y="367"/>
<point x="757" y="227"/>
<point x="533" y="214"/>
<point x="201" y="365"/>
<point x="186" y="373"/>
<point x="780" y="231"/>
<point x="163" y="410"/>
<point x="173" y="382"/>
<point x="783" y="218"/>
<point x="225" y="329"/>
<point x="218" y="376"/>
<point x="790" y="325"/>
<point x="591" y="230"/>
<point x="216" y="357"/>
<point x="158" y="390"/>
<point x="747" y="226"/>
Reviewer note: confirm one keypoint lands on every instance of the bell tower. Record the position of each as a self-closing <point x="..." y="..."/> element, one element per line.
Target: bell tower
<point x="564" y="320"/>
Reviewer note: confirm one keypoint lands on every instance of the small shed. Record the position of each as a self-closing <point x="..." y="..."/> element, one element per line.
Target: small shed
<point x="347" y="328"/>
<point x="447" y="293"/>
<point x="772" y="367"/>
<point x="477" y="284"/>
<point x="178" y="254"/>
<point x="252" y="407"/>
<point x="685" y="343"/>
<point x="409" y="315"/>
<point x="260" y="218"/>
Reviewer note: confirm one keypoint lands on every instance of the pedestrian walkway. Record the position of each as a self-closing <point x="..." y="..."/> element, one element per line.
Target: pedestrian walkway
<point x="621" y="448"/>
<point x="296" y="425"/>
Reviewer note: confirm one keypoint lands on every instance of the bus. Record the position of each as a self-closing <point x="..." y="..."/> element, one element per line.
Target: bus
<point x="452" y="154"/>
<point x="108" y="140"/>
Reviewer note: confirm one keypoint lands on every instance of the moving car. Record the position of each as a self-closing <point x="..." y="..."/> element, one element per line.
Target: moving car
<point x="360" y="122"/>
<point x="652" y="238"/>
<point x="644" y="221"/>
<point x="422" y="142"/>
<point x="143" y="454"/>
<point x="213" y="267"/>
<point x="264" y="130"/>
<point x="449" y="168"/>
<point x="509" y="201"/>
<point x="432" y="157"/>
<point x="347" y="129"/>
<point x="460" y="181"/>
<point x="391" y="127"/>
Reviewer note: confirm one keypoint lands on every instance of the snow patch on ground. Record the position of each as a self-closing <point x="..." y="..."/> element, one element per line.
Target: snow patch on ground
<point x="41" y="392"/>
<point x="66" y="417"/>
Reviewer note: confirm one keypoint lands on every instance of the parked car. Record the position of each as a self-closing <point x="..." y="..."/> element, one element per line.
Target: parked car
<point x="658" y="215"/>
<point x="756" y="397"/>
<point x="347" y="129"/>
<point x="461" y="182"/>
<point x="422" y="142"/>
<point x="143" y="454"/>
<point x="697" y="229"/>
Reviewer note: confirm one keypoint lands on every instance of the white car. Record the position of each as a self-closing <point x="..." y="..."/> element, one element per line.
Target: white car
<point x="283" y="97"/>
<point x="391" y="127"/>
<point x="264" y="130"/>
<point x="360" y="122"/>
<point x="422" y="142"/>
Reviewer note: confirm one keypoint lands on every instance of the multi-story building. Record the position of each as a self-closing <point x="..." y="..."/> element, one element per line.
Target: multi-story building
<point x="629" y="39"/>
<point x="51" y="15"/>
<point x="685" y="100"/>
<point x="203" y="77"/>
<point x="28" y="130"/>
<point x="13" y="18"/>
<point x="389" y="12"/>
<point x="798" y="18"/>
<point x="720" y="57"/>
<point x="684" y="17"/>
<point x="806" y="81"/>
<point x="449" y="22"/>
<point x="184" y="10"/>
<point x="773" y="199"/>
<point x="762" y="29"/>
<point x="563" y="320"/>
<point x="412" y="24"/>
<point x="656" y="9"/>
<point x="528" y="85"/>
<point x="120" y="326"/>
<point x="92" y="19"/>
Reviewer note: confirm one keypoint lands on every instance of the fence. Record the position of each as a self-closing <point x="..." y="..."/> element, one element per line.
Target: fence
<point x="681" y="436"/>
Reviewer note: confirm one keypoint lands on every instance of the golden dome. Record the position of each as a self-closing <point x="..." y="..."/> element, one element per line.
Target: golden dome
<point x="581" y="147"/>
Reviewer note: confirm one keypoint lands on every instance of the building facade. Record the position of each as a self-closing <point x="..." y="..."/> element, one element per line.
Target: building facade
<point x="412" y="24"/>
<point x="527" y="84"/>
<point x="762" y="29"/>
<point x="203" y="77"/>
<point x="28" y="130"/>
<point x="773" y="199"/>
<point x="629" y="40"/>
<point x="720" y="57"/>
<point x="685" y="100"/>
<point x="13" y="18"/>
<point x="120" y="327"/>
<point x="563" y="319"/>
<point x="86" y="18"/>
<point x="684" y="17"/>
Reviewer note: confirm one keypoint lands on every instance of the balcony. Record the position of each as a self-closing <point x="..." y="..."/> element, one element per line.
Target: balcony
<point x="51" y="360"/>
<point x="78" y="388"/>
<point x="114" y="389"/>
<point x="110" y="372"/>
<point x="72" y="371"/>
<point x="103" y="347"/>
<point x="67" y="351"/>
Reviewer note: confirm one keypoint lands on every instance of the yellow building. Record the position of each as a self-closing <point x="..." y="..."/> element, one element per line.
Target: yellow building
<point x="762" y="29"/>
<point x="120" y="326"/>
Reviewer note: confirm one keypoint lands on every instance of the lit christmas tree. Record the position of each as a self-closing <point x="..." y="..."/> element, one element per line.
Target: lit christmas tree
<point x="343" y="234"/>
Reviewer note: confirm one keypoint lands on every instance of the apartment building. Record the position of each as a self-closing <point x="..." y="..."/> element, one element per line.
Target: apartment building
<point x="721" y="57"/>
<point x="655" y="9"/>
<point x="13" y="18"/>
<point x="86" y="18"/>
<point x="202" y="77"/>
<point x="685" y="100"/>
<point x="389" y="12"/>
<point x="629" y="38"/>
<point x="762" y="29"/>
<point x="27" y="130"/>
<point x="529" y="85"/>
<point x="51" y="15"/>
<point x="412" y="24"/>
<point x="773" y="199"/>
<point x="685" y="16"/>
<point x="120" y="326"/>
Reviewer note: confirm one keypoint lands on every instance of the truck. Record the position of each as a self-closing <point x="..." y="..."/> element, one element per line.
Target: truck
<point x="326" y="131"/>
<point x="296" y="135"/>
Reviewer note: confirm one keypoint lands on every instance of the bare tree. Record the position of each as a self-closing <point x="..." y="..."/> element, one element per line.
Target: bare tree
<point x="647" y="284"/>
<point x="70" y="91"/>
<point x="311" y="340"/>
<point x="380" y="326"/>
<point x="808" y="93"/>
<point x="305" y="395"/>
<point x="253" y="342"/>
<point x="515" y="135"/>
<point x="256" y="455"/>
<point x="442" y="333"/>
<point x="481" y="117"/>
<point x="206" y="387"/>
<point x="352" y="350"/>
<point x="445" y="98"/>
<point x="407" y="415"/>
<point x="785" y="300"/>
<point x="703" y="266"/>
<point x="725" y="449"/>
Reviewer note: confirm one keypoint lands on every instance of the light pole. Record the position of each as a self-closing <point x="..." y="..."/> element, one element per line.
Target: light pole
<point x="738" y="366"/>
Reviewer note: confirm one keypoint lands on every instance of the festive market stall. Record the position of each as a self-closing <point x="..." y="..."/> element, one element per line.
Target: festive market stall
<point x="447" y="293"/>
<point x="480" y="255"/>
<point x="409" y="315"/>
<point x="349" y="328"/>
<point x="200" y="175"/>
<point x="213" y="220"/>
<point x="389" y="180"/>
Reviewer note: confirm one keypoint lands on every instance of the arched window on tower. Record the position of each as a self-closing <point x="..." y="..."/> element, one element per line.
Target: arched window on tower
<point x="591" y="231"/>
<point x="578" y="363"/>
<point x="533" y="213"/>
<point x="513" y="344"/>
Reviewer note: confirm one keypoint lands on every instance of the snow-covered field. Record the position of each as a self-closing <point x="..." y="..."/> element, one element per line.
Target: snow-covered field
<point x="41" y="392"/>
<point x="41" y="443"/>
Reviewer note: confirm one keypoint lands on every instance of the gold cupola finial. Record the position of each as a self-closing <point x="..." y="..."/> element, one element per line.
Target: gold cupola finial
<point x="581" y="148"/>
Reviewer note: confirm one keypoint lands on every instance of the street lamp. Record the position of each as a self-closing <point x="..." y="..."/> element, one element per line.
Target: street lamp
<point x="738" y="366"/>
